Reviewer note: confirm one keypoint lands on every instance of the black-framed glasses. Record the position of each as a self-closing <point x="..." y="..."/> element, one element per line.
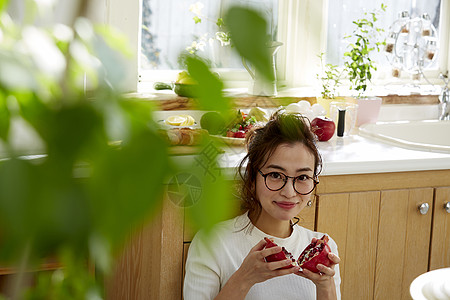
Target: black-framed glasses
<point x="303" y="184"/>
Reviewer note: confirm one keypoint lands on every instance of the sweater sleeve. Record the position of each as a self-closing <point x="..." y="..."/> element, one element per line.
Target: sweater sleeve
<point x="202" y="278"/>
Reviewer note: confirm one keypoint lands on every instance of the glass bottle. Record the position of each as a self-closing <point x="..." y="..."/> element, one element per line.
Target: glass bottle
<point x="431" y="49"/>
<point x="404" y="18"/>
<point x="426" y="25"/>
<point x="390" y="42"/>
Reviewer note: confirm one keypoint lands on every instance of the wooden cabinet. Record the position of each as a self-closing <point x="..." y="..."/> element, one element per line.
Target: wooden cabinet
<point x="403" y="241"/>
<point x="351" y="219"/>
<point x="440" y="234"/>
<point x="383" y="238"/>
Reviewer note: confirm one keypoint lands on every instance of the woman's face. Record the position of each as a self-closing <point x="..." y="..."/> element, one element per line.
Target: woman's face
<point x="282" y="205"/>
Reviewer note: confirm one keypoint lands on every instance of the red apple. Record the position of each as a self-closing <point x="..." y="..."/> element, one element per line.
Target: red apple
<point x="323" y="128"/>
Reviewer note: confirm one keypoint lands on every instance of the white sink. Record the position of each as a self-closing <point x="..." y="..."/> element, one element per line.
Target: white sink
<point x="426" y="135"/>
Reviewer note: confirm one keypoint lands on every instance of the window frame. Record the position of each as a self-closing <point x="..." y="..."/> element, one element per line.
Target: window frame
<point x="302" y="25"/>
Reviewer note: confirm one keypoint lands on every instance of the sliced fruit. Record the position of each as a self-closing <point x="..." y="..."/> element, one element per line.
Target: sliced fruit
<point x="189" y="121"/>
<point x="180" y="120"/>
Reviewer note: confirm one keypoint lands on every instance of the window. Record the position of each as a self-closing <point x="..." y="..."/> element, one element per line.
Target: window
<point x="170" y="27"/>
<point x="302" y="26"/>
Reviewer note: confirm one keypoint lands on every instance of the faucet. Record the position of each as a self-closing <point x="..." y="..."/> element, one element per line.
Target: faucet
<point x="444" y="100"/>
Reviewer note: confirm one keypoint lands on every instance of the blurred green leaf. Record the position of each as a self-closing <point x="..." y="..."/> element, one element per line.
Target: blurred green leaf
<point x="212" y="199"/>
<point x="107" y="163"/>
<point x="249" y="35"/>
<point x="74" y="132"/>
<point x="215" y="203"/>
<point x="73" y="282"/>
<point x="3" y="5"/>
<point x="209" y="94"/>
<point x="18" y="188"/>
<point x="4" y="117"/>
<point x="127" y="183"/>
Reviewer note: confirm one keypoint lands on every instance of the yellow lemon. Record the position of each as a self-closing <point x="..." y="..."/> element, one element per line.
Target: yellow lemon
<point x="189" y="121"/>
<point x="180" y="120"/>
<point x="175" y="120"/>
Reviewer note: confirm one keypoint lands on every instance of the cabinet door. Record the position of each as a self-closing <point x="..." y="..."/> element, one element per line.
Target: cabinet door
<point x="403" y="241"/>
<point x="440" y="235"/>
<point x="351" y="219"/>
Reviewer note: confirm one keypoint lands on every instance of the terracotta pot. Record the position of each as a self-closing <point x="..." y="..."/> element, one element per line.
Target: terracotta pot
<point x="368" y="110"/>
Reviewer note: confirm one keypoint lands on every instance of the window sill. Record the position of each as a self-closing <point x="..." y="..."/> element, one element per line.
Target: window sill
<point x="402" y="94"/>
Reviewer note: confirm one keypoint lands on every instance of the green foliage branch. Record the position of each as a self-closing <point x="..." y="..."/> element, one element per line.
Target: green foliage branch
<point x="330" y="78"/>
<point x="102" y="165"/>
<point x="366" y="39"/>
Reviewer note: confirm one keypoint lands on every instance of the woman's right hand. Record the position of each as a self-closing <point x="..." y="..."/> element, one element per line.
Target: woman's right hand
<point x="255" y="269"/>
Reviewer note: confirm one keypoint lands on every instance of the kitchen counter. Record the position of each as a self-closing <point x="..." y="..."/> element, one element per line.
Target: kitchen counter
<point x="358" y="155"/>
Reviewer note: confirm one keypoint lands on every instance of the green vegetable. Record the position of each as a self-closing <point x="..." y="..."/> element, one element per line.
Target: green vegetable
<point x="162" y="86"/>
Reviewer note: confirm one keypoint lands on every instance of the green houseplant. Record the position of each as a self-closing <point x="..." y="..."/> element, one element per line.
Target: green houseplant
<point x="103" y="165"/>
<point x="330" y="77"/>
<point x="364" y="40"/>
<point x="359" y="65"/>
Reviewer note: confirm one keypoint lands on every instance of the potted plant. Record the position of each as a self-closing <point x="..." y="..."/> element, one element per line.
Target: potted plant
<point x="92" y="164"/>
<point x="359" y="64"/>
<point x="330" y="77"/>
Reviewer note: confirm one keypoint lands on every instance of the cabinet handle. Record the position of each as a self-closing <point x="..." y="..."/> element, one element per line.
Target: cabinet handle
<point x="423" y="208"/>
<point x="447" y="207"/>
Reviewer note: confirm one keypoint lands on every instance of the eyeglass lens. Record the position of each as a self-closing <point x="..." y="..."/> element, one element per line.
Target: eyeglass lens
<point x="302" y="184"/>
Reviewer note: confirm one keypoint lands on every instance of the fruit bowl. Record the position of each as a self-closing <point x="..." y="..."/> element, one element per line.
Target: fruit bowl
<point x="186" y="90"/>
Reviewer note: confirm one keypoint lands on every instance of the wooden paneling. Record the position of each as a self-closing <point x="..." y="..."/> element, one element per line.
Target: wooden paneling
<point x="151" y="266"/>
<point x="352" y="221"/>
<point x="332" y="218"/>
<point x="417" y="238"/>
<point x="391" y="243"/>
<point x="362" y="232"/>
<point x="403" y="241"/>
<point x="440" y="241"/>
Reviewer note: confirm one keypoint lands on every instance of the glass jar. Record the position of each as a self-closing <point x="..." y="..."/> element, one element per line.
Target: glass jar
<point x="431" y="49"/>
<point x="404" y="18"/>
<point x="426" y="25"/>
<point x="390" y="42"/>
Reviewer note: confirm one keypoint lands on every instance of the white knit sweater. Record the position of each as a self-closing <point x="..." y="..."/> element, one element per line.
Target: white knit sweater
<point x="211" y="262"/>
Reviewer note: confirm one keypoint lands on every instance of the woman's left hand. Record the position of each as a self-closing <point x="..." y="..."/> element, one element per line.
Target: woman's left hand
<point x="325" y="277"/>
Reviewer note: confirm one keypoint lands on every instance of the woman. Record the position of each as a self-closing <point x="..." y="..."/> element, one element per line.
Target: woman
<point x="281" y="173"/>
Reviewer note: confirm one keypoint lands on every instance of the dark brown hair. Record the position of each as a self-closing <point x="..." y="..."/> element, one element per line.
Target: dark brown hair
<point x="261" y="142"/>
